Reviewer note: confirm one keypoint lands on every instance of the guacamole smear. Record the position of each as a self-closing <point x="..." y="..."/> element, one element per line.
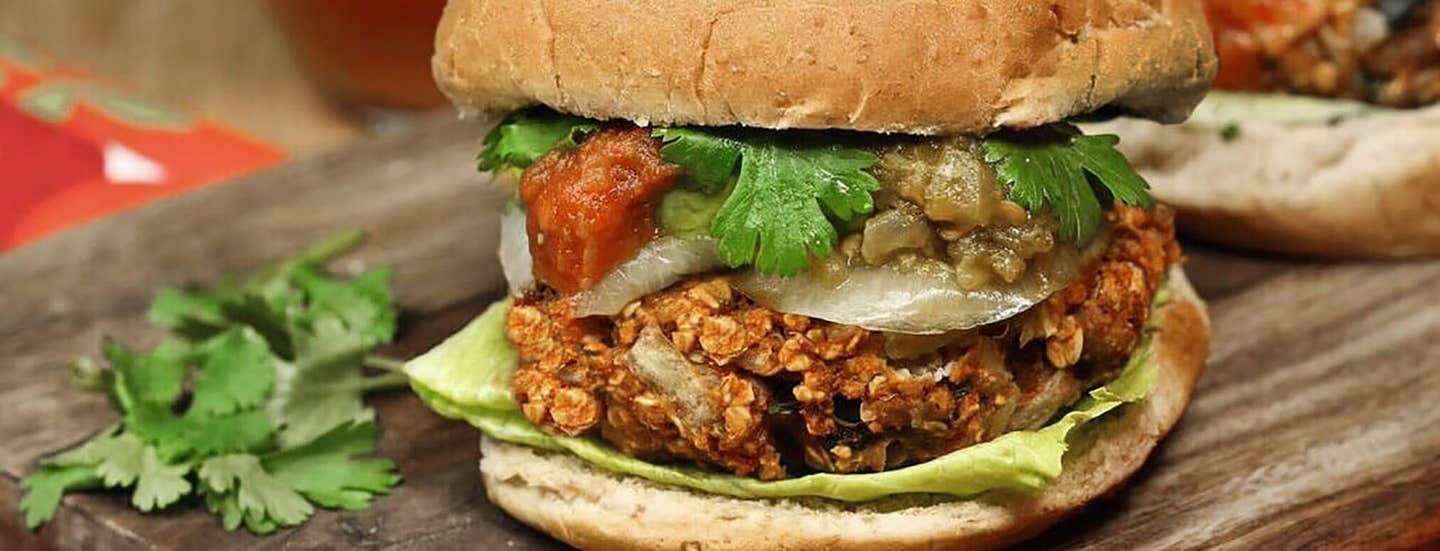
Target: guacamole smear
<point x="467" y="377"/>
<point x="685" y="213"/>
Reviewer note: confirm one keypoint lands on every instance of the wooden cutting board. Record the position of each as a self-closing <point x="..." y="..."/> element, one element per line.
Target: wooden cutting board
<point x="1316" y="425"/>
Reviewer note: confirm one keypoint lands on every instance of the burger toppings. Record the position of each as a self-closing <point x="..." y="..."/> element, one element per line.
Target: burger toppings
<point x="940" y="200"/>
<point x="1381" y="51"/>
<point x="778" y="201"/>
<point x="700" y="372"/>
<point x="913" y="294"/>
<point x="771" y="304"/>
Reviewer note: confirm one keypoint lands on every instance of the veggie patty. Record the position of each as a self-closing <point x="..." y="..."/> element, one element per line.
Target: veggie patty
<point x="700" y="373"/>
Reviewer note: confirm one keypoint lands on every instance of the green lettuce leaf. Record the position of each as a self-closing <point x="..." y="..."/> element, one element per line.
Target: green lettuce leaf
<point x="473" y="366"/>
<point x="467" y="377"/>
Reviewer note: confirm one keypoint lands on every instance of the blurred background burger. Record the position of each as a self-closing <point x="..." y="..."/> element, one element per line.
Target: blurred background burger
<point x="1322" y="138"/>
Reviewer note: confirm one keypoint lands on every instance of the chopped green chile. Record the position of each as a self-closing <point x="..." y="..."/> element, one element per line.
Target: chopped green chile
<point x="948" y="178"/>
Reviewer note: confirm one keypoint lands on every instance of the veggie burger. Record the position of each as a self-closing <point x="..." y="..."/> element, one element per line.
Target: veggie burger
<point x="1326" y="138"/>
<point x="832" y="275"/>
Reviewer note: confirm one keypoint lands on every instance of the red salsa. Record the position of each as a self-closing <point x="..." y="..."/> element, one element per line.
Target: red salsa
<point x="593" y="207"/>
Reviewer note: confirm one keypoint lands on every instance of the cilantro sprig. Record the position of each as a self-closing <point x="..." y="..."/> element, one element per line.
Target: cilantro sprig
<point x="785" y="200"/>
<point x="273" y="417"/>
<point x="1058" y="166"/>
<point x="525" y="136"/>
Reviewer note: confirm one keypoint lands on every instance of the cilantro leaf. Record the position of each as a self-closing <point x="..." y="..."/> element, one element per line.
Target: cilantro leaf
<point x="1055" y="165"/>
<point x="364" y="303"/>
<point x="227" y="506"/>
<point x="1100" y="158"/>
<point x="158" y="485"/>
<point x="326" y="473"/>
<point x="176" y="436"/>
<point x="277" y="491"/>
<point x="155" y="378"/>
<point x="237" y="374"/>
<point x="784" y="199"/>
<point x="323" y="387"/>
<point x="92" y="452"/>
<point x="264" y="303"/>
<point x="199" y="315"/>
<point x="525" y="136"/>
<point x="191" y="313"/>
<point x="256" y="491"/>
<point x="234" y="379"/>
<point x="709" y="159"/>
<point x="266" y="310"/>
<point x="118" y="460"/>
<point x="44" y="488"/>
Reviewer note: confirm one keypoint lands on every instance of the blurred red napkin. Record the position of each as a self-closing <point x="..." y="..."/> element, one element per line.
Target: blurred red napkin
<point x="74" y="148"/>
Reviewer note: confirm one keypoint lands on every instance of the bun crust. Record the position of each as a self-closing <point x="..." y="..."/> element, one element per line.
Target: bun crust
<point x="1364" y="187"/>
<point x="592" y="509"/>
<point x="911" y="66"/>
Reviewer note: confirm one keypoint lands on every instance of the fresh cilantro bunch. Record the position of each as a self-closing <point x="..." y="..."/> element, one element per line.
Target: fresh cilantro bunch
<point x="255" y="406"/>
<point x="1056" y="166"/>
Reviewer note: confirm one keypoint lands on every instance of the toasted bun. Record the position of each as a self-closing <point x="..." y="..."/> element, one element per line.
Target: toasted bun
<point x="593" y="509"/>
<point x="912" y="66"/>
<point x="1364" y="187"/>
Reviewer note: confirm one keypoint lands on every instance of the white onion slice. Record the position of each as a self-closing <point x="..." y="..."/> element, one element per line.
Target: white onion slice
<point x="921" y="302"/>
<point x="659" y="264"/>
<point x="665" y="370"/>
<point x="515" y="258"/>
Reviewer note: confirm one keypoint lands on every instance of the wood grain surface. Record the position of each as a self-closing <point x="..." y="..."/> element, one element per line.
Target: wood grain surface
<point x="1317" y="424"/>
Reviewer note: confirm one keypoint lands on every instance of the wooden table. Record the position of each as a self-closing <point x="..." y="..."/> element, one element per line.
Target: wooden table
<point x="1317" y="423"/>
<point x="224" y="60"/>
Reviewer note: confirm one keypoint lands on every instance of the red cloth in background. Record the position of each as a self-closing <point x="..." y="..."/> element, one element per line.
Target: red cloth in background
<point x="74" y="148"/>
